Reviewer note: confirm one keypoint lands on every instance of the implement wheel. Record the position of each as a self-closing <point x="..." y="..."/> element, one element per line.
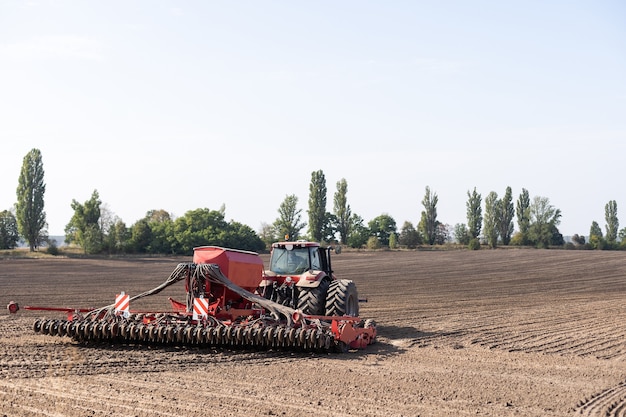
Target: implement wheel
<point x="342" y="299"/>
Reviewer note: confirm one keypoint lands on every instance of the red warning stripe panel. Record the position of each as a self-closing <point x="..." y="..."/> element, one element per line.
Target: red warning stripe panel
<point x="200" y="307"/>
<point x="122" y="302"/>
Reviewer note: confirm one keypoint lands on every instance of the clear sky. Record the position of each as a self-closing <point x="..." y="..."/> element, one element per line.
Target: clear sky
<point x="195" y="104"/>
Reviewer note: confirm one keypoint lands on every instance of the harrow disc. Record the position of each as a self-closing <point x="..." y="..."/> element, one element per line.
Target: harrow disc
<point x="259" y="336"/>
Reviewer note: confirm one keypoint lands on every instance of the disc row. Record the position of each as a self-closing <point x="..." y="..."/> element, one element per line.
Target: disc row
<point x="255" y="336"/>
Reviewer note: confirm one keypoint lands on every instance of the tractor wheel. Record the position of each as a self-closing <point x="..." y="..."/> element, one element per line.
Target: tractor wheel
<point x="342" y="299"/>
<point x="313" y="300"/>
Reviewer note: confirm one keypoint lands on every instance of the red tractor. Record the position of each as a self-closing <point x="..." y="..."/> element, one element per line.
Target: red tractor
<point x="300" y="276"/>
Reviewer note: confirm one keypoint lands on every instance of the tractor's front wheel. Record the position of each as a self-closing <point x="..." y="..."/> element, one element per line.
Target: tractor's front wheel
<point x="342" y="299"/>
<point x="313" y="300"/>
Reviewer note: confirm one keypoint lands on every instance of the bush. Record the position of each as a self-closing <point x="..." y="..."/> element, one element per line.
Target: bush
<point x="597" y="242"/>
<point x="52" y="248"/>
<point x="519" y="239"/>
<point x="474" y="244"/>
<point x="373" y="243"/>
<point x="393" y="242"/>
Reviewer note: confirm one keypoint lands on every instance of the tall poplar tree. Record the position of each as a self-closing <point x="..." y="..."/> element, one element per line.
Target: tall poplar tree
<point x="428" y="223"/>
<point x="505" y="216"/>
<point x="612" y="223"/>
<point x="522" y="210"/>
<point x="317" y="205"/>
<point x="342" y="211"/>
<point x="474" y="213"/>
<point x="492" y="208"/>
<point x="30" y="214"/>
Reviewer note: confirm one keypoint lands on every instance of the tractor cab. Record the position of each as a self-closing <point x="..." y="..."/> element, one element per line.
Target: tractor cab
<point x="299" y="272"/>
<point x="296" y="258"/>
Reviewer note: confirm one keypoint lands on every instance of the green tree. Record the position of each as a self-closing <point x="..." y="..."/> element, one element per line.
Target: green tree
<point x="442" y="234"/>
<point x="578" y="240"/>
<point x="359" y="233"/>
<point x="118" y="237"/>
<point x="461" y="234"/>
<point x="288" y="223"/>
<point x="161" y="224"/>
<point x="199" y="227"/>
<point x="84" y="226"/>
<point x="596" y="240"/>
<point x="522" y="209"/>
<point x="612" y="223"/>
<point x="474" y="214"/>
<point x="544" y="219"/>
<point x="157" y="232"/>
<point x="556" y="236"/>
<point x="506" y="213"/>
<point x="240" y="236"/>
<point x="317" y="205"/>
<point x="329" y="230"/>
<point x="163" y="216"/>
<point x="9" y="236"/>
<point x="140" y="236"/>
<point x="268" y="234"/>
<point x="409" y="236"/>
<point x="29" y="209"/>
<point x="428" y="224"/>
<point x="342" y="211"/>
<point x="622" y="238"/>
<point x="382" y="227"/>
<point x="492" y="209"/>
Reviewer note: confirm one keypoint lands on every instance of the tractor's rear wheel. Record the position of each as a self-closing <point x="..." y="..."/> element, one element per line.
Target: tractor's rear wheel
<point x="342" y="299"/>
<point x="313" y="300"/>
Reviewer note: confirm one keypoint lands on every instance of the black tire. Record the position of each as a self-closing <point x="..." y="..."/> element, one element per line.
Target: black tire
<point x="342" y="299"/>
<point x="313" y="300"/>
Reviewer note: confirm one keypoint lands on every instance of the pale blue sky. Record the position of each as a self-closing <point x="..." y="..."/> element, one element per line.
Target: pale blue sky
<point x="183" y="105"/>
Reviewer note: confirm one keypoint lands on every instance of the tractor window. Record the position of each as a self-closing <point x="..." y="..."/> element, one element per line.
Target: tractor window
<point x="289" y="262"/>
<point x="316" y="263"/>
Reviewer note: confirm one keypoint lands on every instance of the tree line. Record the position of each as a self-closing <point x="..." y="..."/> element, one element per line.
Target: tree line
<point x="490" y="223"/>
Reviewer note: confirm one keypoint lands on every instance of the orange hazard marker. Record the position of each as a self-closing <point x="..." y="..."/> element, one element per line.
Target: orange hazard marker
<point x="122" y="304"/>
<point x="200" y="308"/>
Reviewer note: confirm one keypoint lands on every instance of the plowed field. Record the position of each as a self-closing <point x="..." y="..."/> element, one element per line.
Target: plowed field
<point x="507" y="332"/>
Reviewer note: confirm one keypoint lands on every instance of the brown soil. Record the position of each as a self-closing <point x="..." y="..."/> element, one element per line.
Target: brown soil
<point x="499" y="333"/>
